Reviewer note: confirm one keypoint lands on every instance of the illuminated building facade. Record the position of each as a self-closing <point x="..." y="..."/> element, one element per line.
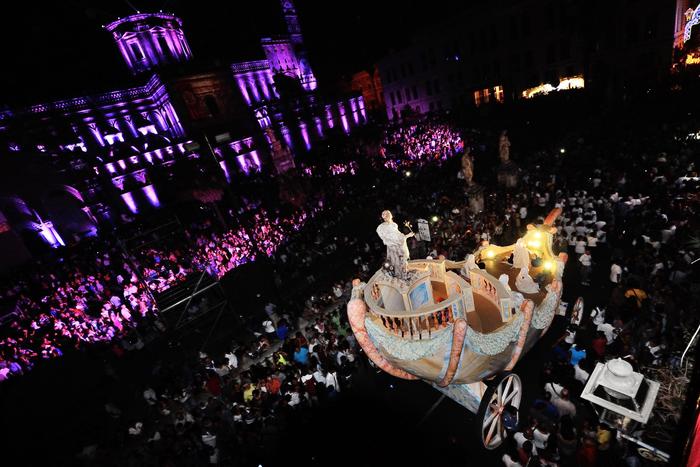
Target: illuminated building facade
<point x="686" y="38"/>
<point x="369" y="84"/>
<point x="109" y="145"/>
<point x="613" y="46"/>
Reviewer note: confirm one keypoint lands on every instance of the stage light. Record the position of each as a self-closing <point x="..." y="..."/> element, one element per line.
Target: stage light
<point x="408" y="173"/>
<point x="490" y="254"/>
<point x="434" y="218"/>
<point x="562" y="150"/>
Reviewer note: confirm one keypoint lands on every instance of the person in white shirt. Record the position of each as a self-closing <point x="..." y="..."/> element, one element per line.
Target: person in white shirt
<point x="268" y="326"/>
<point x="509" y="462"/>
<point x="615" y="273"/>
<point x="232" y="360"/>
<point x="560" y="400"/>
<point x="592" y="240"/>
<point x="580" y="374"/>
<point x="540" y="438"/>
<point x="332" y="380"/>
<point x="570" y="335"/>
<point x="569" y="229"/>
<point x="150" y="395"/>
<point x="601" y="236"/>
<point x="586" y="263"/>
<point x="522" y="437"/>
<point x="580" y="246"/>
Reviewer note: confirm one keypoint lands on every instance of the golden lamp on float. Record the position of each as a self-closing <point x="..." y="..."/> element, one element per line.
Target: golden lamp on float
<point x="462" y="328"/>
<point x="538" y="241"/>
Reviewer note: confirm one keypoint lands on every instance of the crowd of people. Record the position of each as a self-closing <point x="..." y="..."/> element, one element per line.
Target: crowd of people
<point x="225" y="406"/>
<point x="429" y="141"/>
<point x="99" y="291"/>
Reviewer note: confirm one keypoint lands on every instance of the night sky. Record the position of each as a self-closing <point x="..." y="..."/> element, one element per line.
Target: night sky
<point x="60" y="50"/>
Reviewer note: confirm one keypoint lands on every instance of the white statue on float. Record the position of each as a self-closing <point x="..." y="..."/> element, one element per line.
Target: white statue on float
<point x="526" y="284"/>
<point x="521" y="255"/>
<point x="517" y="297"/>
<point x="397" y="253"/>
<point x="469" y="264"/>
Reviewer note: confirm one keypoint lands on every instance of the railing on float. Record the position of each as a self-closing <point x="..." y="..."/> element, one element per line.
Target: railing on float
<point x="422" y="322"/>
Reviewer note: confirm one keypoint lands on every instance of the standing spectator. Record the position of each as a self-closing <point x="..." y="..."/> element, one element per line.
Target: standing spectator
<point x="586" y="262"/>
<point x="615" y="272"/>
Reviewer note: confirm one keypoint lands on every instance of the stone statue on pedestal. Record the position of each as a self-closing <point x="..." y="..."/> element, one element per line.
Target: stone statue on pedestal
<point x="508" y="171"/>
<point x="468" y="167"/>
<point x="504" y="147"/>
<point x="474" y="192"/>
<point x="397" y="254"/>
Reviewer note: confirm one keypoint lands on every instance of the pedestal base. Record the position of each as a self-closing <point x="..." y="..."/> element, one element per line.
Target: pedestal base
<point x="508" y="174"/>
<point x="475" y="198"/>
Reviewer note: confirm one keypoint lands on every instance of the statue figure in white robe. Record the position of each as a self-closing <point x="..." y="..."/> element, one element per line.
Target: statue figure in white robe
<point x="526" y="284"/>
<point x="517" y="297"/>
<point x="503" y="279"/>
<point x="469" y="265"/>
<point x="396" y="249"/>
<point x="521" y="255"/>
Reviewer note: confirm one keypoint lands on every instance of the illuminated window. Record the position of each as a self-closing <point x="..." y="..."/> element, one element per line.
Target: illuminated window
<point x="498" y="93"/>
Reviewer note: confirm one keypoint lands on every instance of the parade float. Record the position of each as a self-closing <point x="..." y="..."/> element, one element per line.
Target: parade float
<point x="461" y="326"/>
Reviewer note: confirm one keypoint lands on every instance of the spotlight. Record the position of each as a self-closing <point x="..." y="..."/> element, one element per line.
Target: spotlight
<point x="408" y="173"/>
<point x="562" y="150"/>
<point x="434" y="218"/>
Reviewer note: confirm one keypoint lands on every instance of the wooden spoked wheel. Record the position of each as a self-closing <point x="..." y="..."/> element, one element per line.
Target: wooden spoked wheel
<point x="498" y="408"/>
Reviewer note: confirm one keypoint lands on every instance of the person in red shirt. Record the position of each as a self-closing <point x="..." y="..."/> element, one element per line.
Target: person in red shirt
<point x="598" y="345"/>
<point x="213" y="384"/>
<point x="587" y="453"/>
<point x="273" y="385"/>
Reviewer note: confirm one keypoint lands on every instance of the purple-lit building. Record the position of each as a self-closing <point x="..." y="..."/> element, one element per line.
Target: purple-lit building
<point x="150" y="40"/>
<point x="256" y="114"/>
